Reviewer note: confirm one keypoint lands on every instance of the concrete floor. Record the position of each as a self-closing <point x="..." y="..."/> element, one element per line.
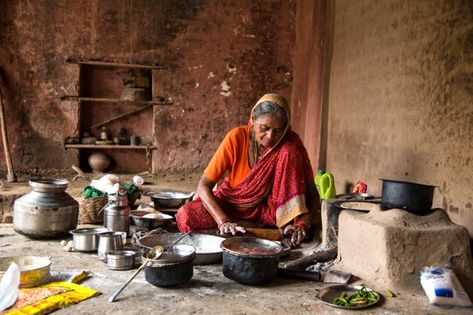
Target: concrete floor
<point x="208" y="292"/>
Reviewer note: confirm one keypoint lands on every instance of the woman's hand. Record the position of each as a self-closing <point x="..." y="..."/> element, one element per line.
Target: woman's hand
<point x="297" y="233"/>
<point x="228" y="227"/>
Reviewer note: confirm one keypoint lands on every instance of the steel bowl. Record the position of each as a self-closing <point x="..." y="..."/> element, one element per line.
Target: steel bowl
<point x="149" y="223"/>
<point x="87" y="239"/>
<point x="34" y="270"/>
<point x="169" y="198"/>
<point x="121" y="260"/>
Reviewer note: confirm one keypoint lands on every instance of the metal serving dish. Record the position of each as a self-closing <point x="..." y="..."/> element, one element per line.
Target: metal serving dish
<point x="87" y="239"/>
<point x="149" y="223"/>
<point x="34" y="270"/>
<point x="329" y="294"/>
<point x="167" y="198"/>
<point x="207" y="247"/>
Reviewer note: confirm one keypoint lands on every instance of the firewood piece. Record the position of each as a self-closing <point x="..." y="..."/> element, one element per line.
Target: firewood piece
<point x="316" y="256"/>
<point x="80" y="173"/>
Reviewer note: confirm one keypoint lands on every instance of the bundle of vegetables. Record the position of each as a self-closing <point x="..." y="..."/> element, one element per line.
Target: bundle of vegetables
<point x="361" y="297"/>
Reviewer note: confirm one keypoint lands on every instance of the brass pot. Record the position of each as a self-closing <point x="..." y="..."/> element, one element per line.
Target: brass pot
<point x="34" y="270"/>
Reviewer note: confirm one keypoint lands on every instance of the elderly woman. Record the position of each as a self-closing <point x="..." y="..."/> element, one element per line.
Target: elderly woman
<point x="270" y="180"/>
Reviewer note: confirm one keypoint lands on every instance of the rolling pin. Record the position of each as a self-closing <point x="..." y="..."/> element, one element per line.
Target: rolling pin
<point x="269" y="234"/>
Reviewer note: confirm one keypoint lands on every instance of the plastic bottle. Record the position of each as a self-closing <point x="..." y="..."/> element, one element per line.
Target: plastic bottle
<point x="325" y="184"/>
<point x="138" y="180"/>
<point x="443" y="287"/>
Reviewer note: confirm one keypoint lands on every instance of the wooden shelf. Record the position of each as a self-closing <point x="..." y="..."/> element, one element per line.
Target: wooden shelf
<point x="110" y="146"/>
<point x="99" y="86"/>
<point x="115" y="64"/>
<point x="162" y="101"/>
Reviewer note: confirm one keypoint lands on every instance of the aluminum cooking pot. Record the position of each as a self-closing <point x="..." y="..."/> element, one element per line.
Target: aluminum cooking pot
<point x="47" y="211"/>
<point x="413" y="197"/>
<point x="87" y="239"/>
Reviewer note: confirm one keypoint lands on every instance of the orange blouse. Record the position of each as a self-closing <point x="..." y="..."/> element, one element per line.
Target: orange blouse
<point x="231" y="156"/>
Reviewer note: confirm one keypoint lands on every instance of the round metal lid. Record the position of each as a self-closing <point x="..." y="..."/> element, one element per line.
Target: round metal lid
<point x="251" y="247"/>
<point x="96" y="230"/>
<point x="172" y="255"/>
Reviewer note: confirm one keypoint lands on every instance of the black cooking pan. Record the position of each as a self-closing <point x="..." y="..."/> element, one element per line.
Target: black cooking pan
<point x="254" y="261"/>
<point x="413" y="197"/>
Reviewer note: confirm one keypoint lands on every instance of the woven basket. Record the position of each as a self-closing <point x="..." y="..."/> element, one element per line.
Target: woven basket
<point x="89" y="210"/>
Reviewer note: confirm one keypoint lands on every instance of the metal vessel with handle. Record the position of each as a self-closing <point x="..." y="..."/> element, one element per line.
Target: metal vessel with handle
<point x="116" y="213"/>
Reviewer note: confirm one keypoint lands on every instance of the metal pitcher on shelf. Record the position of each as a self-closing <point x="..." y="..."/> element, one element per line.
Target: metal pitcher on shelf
<point x="116" y="213"/>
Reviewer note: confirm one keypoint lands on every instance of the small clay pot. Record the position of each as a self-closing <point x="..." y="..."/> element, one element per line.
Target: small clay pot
<point x="99" y="162"/>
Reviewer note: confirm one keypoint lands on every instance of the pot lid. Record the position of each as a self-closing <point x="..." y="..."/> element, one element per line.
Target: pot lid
<point x="96" y="230"/>
<point x="173" y="254"/>
<point x="251" y="247"/>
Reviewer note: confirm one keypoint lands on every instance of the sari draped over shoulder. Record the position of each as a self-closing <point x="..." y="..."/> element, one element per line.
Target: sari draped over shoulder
<point x="272" y="193"/>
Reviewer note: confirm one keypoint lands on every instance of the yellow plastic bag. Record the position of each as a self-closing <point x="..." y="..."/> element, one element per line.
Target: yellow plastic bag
<point x="75" y="293"/>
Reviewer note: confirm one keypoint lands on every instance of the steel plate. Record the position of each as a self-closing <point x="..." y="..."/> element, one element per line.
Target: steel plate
<point x="207" y="247"/>
<point x="329" y="294"/>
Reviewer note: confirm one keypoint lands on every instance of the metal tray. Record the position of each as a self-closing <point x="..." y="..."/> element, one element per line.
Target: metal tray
<point x="207" y="247"/>
<point x="329" y="294"/>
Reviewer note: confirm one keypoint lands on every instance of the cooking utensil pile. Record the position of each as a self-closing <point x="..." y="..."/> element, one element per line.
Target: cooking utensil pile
<point x="150" y="256"/>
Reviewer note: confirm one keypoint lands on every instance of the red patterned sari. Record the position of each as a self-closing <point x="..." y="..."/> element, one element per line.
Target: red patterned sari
<point x="273" y="192"/>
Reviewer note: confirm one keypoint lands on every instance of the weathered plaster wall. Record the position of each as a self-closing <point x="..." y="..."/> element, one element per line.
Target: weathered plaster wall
<point x="401" y="98"/>
<point x="307" y="94"/>
<point x="228" y="56"/>
<point x="222" y="55"/>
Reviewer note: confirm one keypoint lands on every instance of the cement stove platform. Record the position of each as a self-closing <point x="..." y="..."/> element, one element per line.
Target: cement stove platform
<point x="388" y="248"/>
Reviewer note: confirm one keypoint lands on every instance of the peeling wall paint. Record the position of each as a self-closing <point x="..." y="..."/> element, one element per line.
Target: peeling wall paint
<point x="204" y="43"/>
<point x="401" y="98"/>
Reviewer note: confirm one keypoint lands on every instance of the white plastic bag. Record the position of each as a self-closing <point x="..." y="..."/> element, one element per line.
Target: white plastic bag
<point x="9" y="286"/>
<point x="108" y="184"/>
<point x="443" y="287"/>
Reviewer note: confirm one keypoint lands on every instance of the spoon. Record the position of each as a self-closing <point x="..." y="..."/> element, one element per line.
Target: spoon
<point x="153" y="253"/>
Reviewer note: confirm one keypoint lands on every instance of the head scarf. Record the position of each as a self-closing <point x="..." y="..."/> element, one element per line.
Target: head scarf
<point x="281" y="102"/>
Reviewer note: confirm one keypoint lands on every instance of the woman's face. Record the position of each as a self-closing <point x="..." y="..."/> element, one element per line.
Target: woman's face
<point x="268" y="130"/>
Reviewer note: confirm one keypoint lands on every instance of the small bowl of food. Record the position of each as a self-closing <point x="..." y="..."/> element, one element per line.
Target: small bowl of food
<point x="147" y="220"/>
